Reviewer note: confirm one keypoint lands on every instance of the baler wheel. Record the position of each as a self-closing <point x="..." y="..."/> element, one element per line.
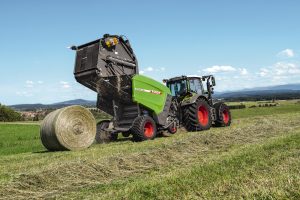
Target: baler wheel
<point x="170" y="131"/>
<point x="223" y="115"/>
<point x="144" y="128"/>
<point x="126" y="134"/>
<point x="103" y="136"/>
<point x="197" y="116"/>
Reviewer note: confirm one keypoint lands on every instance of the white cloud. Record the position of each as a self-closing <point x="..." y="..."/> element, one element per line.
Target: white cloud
<point x="221" y="78"/>
<point x="24" y="94"/>
<point x="29" y="84"/>
<point x="40" y="82"/>
<point x="219" y="68"/>
<point x="263" y="72"/>
<point x="149" y="69"/>
<point x="65" y="84"/>
<point x="152" y="69"/>
<point x="287" y="53"/>
<point x="243" y="71"/>
<point x="280" y="73"/>
<point x="225" y="74"/>
<point x="282" y="68"/>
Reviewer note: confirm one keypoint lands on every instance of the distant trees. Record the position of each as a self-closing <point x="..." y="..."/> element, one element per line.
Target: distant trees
<point x="243" y="96"/>
<point x="9" y="115"/>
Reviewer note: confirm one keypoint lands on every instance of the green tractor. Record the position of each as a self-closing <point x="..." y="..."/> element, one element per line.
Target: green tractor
<point x="195" y="108"/>
<point x="139" y="105"/>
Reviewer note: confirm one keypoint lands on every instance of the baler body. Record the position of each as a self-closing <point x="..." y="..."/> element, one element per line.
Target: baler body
<point x="109" y="67"/>
<point x="149" y="93"/>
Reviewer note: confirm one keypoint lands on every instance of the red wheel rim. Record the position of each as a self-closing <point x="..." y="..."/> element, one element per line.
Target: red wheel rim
<point x="203" y="115"/>
<point x="148" y="130"/>
<point x="225" y="116"/>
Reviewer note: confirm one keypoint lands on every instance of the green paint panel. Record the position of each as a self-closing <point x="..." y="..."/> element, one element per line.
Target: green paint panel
<point x="149" y="93"/>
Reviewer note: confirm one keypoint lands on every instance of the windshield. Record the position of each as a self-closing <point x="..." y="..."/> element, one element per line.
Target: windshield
<point x="178" y="87"/>
<point x="196" y="86"/>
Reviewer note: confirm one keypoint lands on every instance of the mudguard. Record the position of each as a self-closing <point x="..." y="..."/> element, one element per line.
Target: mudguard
<point x="191" y="100"/>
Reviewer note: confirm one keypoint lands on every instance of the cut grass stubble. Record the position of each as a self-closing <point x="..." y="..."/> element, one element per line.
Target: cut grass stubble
<point x="180" y="162"/>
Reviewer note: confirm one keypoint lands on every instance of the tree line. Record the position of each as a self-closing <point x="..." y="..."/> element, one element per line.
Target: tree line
<point x="9" y="115"/>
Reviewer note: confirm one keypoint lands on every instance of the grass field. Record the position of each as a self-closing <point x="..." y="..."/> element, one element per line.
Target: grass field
<point x="258" y="157"/>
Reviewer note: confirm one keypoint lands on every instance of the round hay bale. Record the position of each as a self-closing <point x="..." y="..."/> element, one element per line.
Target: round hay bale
<point x="69" y="128"/>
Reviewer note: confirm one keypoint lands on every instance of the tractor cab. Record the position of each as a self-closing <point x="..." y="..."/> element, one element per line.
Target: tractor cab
<point x="189" y="85"/>
<point x="185" y="87"/>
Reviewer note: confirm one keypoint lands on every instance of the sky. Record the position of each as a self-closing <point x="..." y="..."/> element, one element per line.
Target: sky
<point x="244" y="44"/>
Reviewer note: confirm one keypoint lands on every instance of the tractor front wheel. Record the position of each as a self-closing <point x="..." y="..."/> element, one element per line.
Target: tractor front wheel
<point x="144" y="128"/>
<point x="197" y="116"/>
<point x="223" y="115"/>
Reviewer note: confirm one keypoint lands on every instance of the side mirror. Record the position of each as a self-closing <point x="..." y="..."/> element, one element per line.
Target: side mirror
<point x="213" y="81"/>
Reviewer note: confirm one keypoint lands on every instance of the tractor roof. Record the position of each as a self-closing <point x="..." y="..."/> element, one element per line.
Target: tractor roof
<point x="194" y="76"/>
<point x="177" y="78"/>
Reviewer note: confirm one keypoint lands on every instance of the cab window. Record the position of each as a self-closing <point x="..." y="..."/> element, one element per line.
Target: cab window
<point x="178" y="87"/>
<point x="196" y="86"/>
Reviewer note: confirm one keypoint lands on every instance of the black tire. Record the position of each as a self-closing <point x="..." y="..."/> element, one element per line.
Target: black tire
<point x="144" y="128"/>
<point x="126" y="134"/>
<point x="197" y="116"/>
<point x="172" y="129"/>
<point x="103" y="136"/>
<point x="223" y="115"/>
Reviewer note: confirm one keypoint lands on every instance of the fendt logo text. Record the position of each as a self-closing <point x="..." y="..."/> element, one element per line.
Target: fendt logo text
<point x="148" y="91"/>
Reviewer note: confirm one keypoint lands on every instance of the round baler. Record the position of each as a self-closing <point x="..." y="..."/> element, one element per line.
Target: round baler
<point x="138" y="105"/>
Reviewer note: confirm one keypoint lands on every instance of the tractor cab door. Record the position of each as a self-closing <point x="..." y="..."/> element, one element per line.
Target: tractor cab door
<point x="196" y="85"/>
<point x="178" y="88"/>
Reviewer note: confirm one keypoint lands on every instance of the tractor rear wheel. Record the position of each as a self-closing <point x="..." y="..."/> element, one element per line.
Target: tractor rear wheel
<point x="223" y="115"/>
<point x="103" y="136"/>
<point x="144" y="128"/>
<point x="197" y="116"/>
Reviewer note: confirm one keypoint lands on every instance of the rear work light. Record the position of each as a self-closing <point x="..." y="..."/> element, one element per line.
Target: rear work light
<point x="111" y="42"/>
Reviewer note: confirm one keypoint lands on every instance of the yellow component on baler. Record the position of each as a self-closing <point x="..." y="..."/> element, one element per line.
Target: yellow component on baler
<point x="115" y="41"/>
<point x="111" y="42"/>
<point x="107" y="43"/>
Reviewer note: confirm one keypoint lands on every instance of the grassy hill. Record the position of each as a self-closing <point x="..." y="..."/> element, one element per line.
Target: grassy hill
<point x="256" y="158"/>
